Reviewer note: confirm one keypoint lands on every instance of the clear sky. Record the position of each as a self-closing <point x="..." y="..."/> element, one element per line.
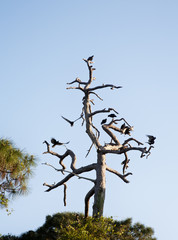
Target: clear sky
<point x="135" y="44"/>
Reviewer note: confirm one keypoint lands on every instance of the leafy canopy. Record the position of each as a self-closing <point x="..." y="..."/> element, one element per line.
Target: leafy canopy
<point x="62" y="226"/>
<point x="15" y="170"/>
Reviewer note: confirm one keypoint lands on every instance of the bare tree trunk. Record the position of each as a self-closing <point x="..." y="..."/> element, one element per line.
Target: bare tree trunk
<point x="114" y="147"/>
<point x="100" y="187"/>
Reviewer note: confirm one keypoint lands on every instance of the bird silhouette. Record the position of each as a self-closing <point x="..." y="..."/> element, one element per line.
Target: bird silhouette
<point x="127" y="131"/>
<point x="112" y="115"/>
<point x="90" y="58"/>
<point x="104" y="121"/>
<point x="71" y="122"/>
<point x="151" y="139"/>
<point x="55" y="142"/>
<point x="123" y="126"/>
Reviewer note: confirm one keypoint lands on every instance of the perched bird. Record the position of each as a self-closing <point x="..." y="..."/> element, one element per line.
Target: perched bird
<point x="71" y="122"/>
<point x="127" y="131"/>
<point x="90" y="58"/>
<point x="151" y="139"/>
<point x="104" y="121"/>
<point x="112" y="115"/>
<point x="55" y="142"/>
<point x="123" y="126"/>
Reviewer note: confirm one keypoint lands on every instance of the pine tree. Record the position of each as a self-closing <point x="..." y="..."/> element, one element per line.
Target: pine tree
<point x="15" y="170"/>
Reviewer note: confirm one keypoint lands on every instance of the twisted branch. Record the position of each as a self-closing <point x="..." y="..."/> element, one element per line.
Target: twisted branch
<point x="125" y="162"/>
<point x="111" y="134"/>
<point x="61" y="157"/>
<point x="132" y="139"/>
<point x="123" y="177"/>
<point x="87" y="199"/>
<point x="71" y="174"/>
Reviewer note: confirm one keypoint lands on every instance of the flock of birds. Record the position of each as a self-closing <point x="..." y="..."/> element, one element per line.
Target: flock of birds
<point x="151" y="139"/>
<point x="124" y="128"/>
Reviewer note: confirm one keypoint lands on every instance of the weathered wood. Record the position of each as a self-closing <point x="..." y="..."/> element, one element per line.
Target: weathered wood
<point x="100" y="186"/>
<point x="114" y="147"/>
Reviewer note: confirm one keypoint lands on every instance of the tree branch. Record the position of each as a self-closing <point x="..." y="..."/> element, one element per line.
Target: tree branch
<point x="62" y="170"/>
<point x="107" y="130"/>
<point x="123" y="177"/>
<point x="67" y="153"/>
<point x="132" y="139"/>
<point x="65" y="190"/>
<point x="117" y="120"/>
<point x="103" y="111"/>
<point x="96" y="95"/>
<point x="90" y="74"/>
<point x="104" y="86"/>
<point x="70" y="175"/>
<point x="125" y="162"/>
<point x="87" y="199"/>
<point x="77" y="80"/>
<point x="124" y="149"/>
<point x="79" y="88"/>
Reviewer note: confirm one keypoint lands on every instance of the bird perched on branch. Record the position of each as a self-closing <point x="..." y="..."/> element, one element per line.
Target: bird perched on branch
<point x="55" y="142"/>
<point x="151" y="139"/>
<point x="127" y="131"/>
<point x="90" y="59"/>
<point x="123" y="126"/>
<point x="112" y="115"/>
<point x="104" y="121"/>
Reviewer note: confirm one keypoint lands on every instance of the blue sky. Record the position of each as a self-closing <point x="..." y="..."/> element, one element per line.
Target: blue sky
<point x="135" y="46"/>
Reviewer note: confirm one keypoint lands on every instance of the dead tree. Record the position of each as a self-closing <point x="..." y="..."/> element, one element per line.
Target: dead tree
<point x="114" y="147"/>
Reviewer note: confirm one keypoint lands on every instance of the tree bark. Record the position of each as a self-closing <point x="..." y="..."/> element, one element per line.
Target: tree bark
<point x="100" y="187"/>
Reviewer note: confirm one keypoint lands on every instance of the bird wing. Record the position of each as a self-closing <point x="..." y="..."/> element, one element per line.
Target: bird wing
<point x="67" y="120"/>
<point x="123" y="126"/>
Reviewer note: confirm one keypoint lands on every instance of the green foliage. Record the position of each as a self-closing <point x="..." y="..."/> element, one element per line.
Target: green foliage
<point x="15" y="170"/>
<point x="62" y="226"/>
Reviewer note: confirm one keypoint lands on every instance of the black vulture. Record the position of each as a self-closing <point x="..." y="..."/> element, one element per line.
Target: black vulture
<point x="112" y="115"/>
<point x="55" y="142"/>
<point x="123" y="126"/>
<point x="90" y="58"/>
<point x="151" y="139"/>
<point x="71" y="122"/>
<point x="104" y="121"/>
<point x="127" y="130"/>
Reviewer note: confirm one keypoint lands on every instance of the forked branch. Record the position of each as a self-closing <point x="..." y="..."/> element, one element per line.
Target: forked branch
<point x="123" y="177"/>
<point x="61" y="157"/>
<point x="72" y="174"/>
<point x="104" y="86"/>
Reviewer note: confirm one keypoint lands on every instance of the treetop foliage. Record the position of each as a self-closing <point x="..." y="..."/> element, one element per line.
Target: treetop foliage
<point x="74" y="226"/>
<point x="15" y="170"/>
